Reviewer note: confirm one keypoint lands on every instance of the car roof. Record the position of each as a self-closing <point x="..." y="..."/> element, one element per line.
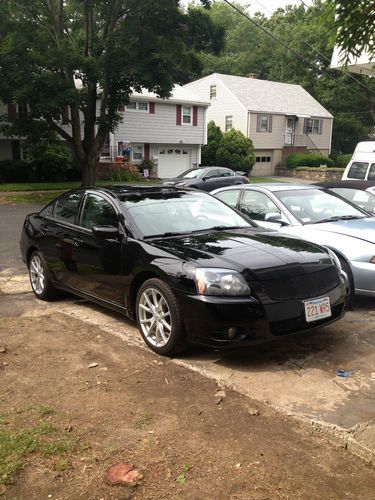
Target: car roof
<point x="277" y="186"/>
<point x="362" y="185"/>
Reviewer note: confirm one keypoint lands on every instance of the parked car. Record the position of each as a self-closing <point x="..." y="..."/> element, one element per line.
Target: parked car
<point x="185" y="265"/>
<point x="206" y="178"/>
<point x="362" y="193"/>
<point x="316" y="215"/>
<point x="362" y="164"/>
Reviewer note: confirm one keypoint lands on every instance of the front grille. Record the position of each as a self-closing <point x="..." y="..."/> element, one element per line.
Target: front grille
<point x="302" y="287"/>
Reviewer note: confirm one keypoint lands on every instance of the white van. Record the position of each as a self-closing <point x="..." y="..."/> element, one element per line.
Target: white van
<point x="362" y="165"/>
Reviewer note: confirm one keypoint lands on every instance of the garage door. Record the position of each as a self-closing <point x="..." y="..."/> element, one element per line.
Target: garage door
<point x="263" y="163"/>
<point x="173" y="161"/>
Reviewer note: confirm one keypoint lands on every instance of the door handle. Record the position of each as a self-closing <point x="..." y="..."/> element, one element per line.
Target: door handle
<point x="77" y="242"/>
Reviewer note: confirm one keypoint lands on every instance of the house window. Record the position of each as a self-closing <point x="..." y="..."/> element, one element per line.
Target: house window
<point x="131" y="106"/>
<point x="137" y="152"/>
<point x="22" y="111"/>
<point x="186" y="115"/>
<point x="263" y="159"/>
<point x="314" y="126"/>
<point x="228" y="122"/>
<point x="212" y="91"/>
<point x="143" y="106"/>
<point x="264" y="123"/>
<point x="106" y="147"/>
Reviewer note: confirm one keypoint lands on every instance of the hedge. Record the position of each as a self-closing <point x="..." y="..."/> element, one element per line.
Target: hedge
<point x="343" y="160"/>
<point x="307" y="160"/>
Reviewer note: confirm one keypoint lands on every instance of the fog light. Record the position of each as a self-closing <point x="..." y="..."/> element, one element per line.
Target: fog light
<point x="231" y="332"/>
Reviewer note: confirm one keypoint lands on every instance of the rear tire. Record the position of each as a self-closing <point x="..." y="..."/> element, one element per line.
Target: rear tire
<point x="41" y="278"/>
<point x="346" y="268"/>
<point x="159" y="318"/>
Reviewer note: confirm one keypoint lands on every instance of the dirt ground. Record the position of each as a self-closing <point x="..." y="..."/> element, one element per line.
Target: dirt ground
<point x="190" y="438"/>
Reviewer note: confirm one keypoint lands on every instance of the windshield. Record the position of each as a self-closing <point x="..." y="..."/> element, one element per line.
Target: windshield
<point x="193" y="173"/>
<point x="310" y="206"/>
<point x="166" y="214"/>
<point x="363" y="199"/>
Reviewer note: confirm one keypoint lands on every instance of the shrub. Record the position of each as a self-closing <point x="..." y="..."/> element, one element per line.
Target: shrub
<point x="343" y="160"/>
<point x="14" y="171"/>
<point x="214" y="136"/>
<point x="49" y="162"/>
<point x="235" y="151"/>
<point x="307" y="160"/>
<point x="123" y="172"/>
<point x="146" y="164"/>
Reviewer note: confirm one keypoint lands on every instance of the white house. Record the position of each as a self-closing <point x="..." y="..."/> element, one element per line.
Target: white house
<point x="170" y="132"/>
<point x="279" y="118"/>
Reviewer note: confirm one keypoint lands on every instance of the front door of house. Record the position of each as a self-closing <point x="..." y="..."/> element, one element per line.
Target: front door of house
<point x="289" y="130"/>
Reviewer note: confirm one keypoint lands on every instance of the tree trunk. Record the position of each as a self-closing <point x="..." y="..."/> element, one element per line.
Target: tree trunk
<point x="89" y="172"/>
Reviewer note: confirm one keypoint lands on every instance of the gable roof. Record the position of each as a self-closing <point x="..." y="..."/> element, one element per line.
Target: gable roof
<point x="263" y="96"/>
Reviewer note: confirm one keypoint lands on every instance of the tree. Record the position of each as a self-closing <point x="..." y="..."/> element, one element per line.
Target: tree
<point x="214" y="136"/>
<point x="235" y="151"/>
<point x="354" y="21"/>
<point x="69" y="59"/>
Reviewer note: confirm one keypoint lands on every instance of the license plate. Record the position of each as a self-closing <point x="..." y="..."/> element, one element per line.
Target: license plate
<point x="316" y="309"/>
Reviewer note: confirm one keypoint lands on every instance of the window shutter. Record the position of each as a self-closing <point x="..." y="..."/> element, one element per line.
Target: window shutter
<point x="195" y="116"/>
<point x="270" y="123"/>
<point x="12" y="112"/>
<point x="121" y="108"/>
<point x="178" y="114"/>
<point x="151" y="108"/>
<point x="305" y="122"/>
<point x="147" y="152"/>
<point x="320" y="127"/>
<point x="259" y="117"/>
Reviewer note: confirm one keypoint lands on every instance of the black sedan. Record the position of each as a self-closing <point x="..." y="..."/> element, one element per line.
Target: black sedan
<point x="182" y="263"/>
<point x="206" y="178"/>
<point x="362" y="193"/>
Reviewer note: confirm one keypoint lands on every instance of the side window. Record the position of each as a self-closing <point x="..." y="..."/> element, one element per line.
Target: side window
<point x="66" y="208"/>
<point x="212" y="173"/>
<point x="225" y="173"/>
<point x="357" y="170"/>
<point x="371" y="173"/>
<point x="229" y="197"/>
<point x="258" y="206"/>
<point x="98" y="212"/>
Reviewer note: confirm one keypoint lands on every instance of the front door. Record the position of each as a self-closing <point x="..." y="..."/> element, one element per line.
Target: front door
<point x="289" y="131"/>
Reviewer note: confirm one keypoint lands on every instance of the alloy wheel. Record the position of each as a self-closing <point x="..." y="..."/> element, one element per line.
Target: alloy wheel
<point x="155" y="317"/>
<point x="37" y="276"/>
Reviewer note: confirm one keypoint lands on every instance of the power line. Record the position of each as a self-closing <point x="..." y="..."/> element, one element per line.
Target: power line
<point x="281" y="42"/>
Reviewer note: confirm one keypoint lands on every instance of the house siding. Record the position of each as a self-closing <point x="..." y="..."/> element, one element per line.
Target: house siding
<point x="160" y="127"/>
<point x="224" y="104"/>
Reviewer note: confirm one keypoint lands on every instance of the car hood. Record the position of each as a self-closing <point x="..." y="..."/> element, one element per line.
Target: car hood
<point x="363" y="229"/>
<point x="257" y="253"/>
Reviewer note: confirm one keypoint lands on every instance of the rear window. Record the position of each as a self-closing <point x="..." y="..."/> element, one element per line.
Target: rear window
<point x="358" y="170"/>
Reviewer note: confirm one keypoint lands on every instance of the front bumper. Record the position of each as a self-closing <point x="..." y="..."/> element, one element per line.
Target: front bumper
<point x="208" y="318"/>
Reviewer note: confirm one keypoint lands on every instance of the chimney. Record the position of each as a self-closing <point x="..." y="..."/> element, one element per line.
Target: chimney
<point x="252" y="75"/>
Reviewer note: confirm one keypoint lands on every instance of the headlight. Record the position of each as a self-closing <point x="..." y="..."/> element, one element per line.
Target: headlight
<point x="335" y="260"/>
<point x="213" y="281"/>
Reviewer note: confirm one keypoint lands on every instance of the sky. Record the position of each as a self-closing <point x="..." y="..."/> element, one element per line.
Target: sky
<point x="266" y="7"/>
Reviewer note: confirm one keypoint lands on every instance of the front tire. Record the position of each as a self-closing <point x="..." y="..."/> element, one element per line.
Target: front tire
<point x="159" y="318"/>
<point x="40" y="277"/>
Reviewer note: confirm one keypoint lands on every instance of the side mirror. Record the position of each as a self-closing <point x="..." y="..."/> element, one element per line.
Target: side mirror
<point x="106" y="232"/>
<point x="276" y="217"/>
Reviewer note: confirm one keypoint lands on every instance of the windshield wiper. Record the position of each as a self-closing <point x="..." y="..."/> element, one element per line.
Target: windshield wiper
<point x="166" y="234"/>
<point x="223" y="228"/>
<point x="336" y="218"/>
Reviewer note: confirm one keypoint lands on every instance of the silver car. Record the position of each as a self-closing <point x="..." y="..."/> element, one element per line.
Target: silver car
<point x="316" y="215"/>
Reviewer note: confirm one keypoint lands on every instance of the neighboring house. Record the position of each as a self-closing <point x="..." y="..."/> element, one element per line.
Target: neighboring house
<point x="279" y="118"/>
<point x="170" y="132"/>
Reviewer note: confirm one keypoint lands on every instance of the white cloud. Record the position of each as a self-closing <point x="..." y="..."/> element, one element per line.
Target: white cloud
<point x="266" y="7"/>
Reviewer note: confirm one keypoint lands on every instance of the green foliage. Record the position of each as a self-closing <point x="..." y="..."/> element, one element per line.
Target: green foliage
<point x="48" y="162"/>
<point x="14" y="171"/>
<point x="343" y="160"/>
<point x="235" y="151"/>
<point x="146" y="164"/>
<point x="307" y="160"/>
<point x="308" y="32"/>
<point x="123" y="173"/>
<point x="56" y="56"/>
<point x="214" y="136"/>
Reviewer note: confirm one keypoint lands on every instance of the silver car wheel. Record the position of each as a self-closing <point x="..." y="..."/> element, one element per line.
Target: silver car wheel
<point x="37" y="276"/>
<point x="155" y="317"/>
